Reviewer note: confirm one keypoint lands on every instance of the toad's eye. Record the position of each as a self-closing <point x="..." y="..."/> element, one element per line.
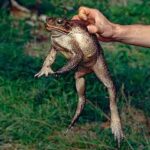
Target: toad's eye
<point x="59" y="21"/>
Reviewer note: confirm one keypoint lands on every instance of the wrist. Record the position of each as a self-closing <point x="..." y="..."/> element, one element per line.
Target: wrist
<point x="117" y="33"/>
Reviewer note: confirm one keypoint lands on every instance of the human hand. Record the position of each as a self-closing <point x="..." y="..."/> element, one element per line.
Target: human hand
<point x="97" y="23"/>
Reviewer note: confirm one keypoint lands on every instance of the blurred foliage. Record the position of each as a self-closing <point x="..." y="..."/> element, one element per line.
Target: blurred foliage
<point x="133" y="12"/>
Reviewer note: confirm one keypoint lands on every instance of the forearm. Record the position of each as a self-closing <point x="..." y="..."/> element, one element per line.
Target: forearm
<point x="50" y="58"/>
<point x="46" y="68"/>
<point x="132" y="34"/>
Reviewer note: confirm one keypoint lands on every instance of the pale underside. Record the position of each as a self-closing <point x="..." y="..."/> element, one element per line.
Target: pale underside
<point x="85" y="54"/>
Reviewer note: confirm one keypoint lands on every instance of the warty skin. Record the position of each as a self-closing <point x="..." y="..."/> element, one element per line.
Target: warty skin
<point x="85" y="55"/>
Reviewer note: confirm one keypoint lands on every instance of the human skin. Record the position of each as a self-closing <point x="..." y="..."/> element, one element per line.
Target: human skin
<point x="107" y="31"/>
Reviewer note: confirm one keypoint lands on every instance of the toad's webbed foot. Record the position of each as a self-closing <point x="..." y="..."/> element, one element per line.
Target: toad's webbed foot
<point x="80" y="107"/>
<point x="117" y="130"/>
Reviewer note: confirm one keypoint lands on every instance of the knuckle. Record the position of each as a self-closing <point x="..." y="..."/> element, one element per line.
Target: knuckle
<point x="95" y="10"/>
<point x="81" y="7"/>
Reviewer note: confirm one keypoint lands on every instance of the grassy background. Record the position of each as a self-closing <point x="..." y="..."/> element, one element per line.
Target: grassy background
<point x="34" y="113"/>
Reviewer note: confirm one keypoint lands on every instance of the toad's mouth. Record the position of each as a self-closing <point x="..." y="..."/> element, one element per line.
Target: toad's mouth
<point x="59" y="29"/>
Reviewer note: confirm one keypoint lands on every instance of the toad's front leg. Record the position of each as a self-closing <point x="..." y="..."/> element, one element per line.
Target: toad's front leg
<point x="74" y="61"/>
<point x="46" y="69"/>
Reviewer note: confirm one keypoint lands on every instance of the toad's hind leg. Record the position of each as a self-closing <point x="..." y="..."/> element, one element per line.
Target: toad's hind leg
<point x="80" y="86"/>
<point x="101" y="71"/>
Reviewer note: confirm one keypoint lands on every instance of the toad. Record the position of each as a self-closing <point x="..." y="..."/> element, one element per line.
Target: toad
<point x="85" y="55"/>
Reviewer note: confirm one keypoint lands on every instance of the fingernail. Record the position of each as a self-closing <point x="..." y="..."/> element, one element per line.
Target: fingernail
<point x="84" y="17"/>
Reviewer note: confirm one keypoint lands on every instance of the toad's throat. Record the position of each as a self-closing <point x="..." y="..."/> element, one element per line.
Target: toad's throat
<point x="51" y="27"/>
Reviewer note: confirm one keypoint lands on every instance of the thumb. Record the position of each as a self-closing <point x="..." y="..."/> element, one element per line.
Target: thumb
<point x="92" y="28"/>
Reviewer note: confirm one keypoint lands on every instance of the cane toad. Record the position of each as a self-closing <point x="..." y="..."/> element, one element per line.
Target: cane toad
<point x="85" y="55"/>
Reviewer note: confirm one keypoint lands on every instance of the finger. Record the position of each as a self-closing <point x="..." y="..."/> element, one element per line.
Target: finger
<point x="39" y="75"/>
<point x="46" y="74"/>
<point x="84" y="12"/>
<point x="76" y="17"/>
<point x="92" y="28"/>
<point x="36" y="75"/>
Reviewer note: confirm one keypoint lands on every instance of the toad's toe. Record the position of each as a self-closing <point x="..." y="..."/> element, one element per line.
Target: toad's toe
<point x="117" y="131"/>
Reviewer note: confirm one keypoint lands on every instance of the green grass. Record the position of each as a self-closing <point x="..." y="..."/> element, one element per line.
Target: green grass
<point x="34" y="113"/>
